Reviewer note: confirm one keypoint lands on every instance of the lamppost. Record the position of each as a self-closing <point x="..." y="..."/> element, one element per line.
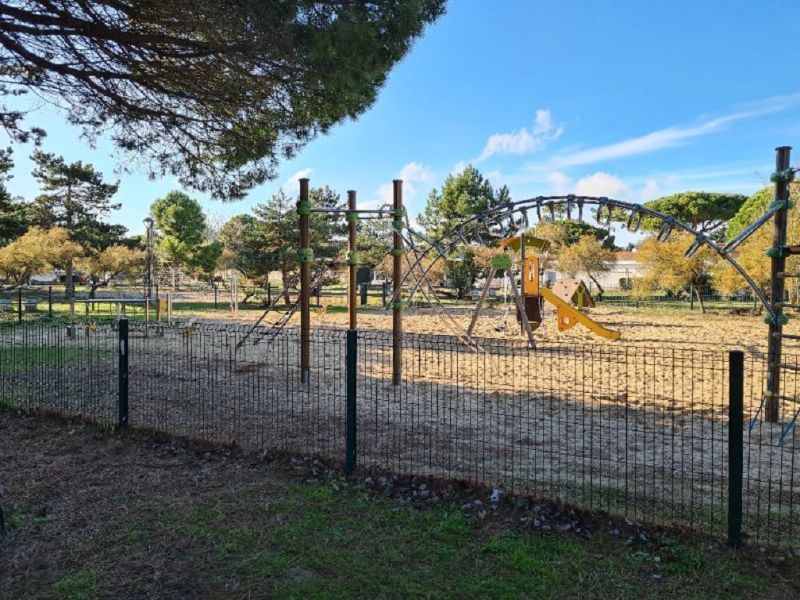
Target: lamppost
<point x="149" y="266"/>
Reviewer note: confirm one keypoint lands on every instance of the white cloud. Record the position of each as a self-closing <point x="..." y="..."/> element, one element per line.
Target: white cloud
<point x="650" y="191"/>
<point x="414" y="175"/>
<point x="602" y="184"/>
<point x="290" y="186"/>
<point x="670" y="136"/>
<point x="560" y="183"/>
<point x="495" y="177"/>
<point x="458" y="168"/>
<point x="524" y="141"/>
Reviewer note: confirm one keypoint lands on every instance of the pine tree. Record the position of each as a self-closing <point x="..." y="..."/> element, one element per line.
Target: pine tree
<point x="13" y="212"/>
<point x="462" y="196"/>
<point x="281" y="236"/>
<point x="74" y="196"/>
<point x="212" y="93"/>
<point x="181" y="228"/>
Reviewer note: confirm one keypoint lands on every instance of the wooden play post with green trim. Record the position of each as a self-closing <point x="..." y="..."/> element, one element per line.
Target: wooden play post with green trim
<point x="397" y="303"/>
<point x="522" y="255"/>
<point x="305" y="256"/>
<point x="777" y="253"/>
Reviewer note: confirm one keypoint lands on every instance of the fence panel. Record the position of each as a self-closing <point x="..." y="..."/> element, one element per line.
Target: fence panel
<point x="633" y="431"/>
<point x="71" y="370"/>
<point x="219" y="384"/>
<point x="638" y="432"/>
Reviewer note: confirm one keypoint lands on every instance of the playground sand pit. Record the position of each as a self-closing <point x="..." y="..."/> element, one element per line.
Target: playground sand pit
<point x="651" y="327"/>
<point x="581" y="421"/>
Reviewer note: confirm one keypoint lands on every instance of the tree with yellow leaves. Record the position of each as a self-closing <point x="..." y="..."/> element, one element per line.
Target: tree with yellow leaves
<point x="102" y="266"/>
<point x="588" y="256"/>
<point x="37" y="251"/>
<point x="667" y="268"/>
<point x="751" y="255"/>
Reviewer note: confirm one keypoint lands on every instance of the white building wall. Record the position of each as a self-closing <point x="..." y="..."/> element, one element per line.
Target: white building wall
<point x="625" y="268"/>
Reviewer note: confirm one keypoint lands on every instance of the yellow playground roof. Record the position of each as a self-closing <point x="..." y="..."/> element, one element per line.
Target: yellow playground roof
<point x="531" y="241"/>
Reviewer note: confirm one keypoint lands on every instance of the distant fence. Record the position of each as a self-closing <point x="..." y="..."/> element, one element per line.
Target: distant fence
<point x="35" y="302"/>
<point x="688" y="298"/>
<point x="38" y="301"/>
<point x="645" y="433"/>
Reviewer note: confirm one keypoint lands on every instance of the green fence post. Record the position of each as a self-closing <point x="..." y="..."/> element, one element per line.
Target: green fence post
<point x="19" y="305"/>
<point x="364" y="290"/>
<point x="50" y="301"/>
<point x="735" y="445"/>
<point x="122" y="399"/>
<point x="351" y="426"/>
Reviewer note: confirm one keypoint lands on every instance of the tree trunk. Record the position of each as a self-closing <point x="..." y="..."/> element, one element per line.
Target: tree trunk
<point x="600" y="290"/>
<point x="69" y="286"/>
<point x="284" y="281"/>
<point x="699" y="298"/>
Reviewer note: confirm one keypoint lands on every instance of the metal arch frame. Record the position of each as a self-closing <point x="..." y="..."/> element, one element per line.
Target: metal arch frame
<point x="469" y="231"/>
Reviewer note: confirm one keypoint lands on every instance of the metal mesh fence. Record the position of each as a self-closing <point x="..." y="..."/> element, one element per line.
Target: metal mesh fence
<point x="638" y="432"/>
<point x="71" y="370"/>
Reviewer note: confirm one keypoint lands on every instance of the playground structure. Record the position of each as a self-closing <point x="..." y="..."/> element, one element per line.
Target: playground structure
<point x="530" y="300"/>
<point x="635" y="431"/>
<point x="514" y="219"/>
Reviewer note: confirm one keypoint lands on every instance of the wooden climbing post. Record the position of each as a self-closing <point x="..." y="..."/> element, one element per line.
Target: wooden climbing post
<point x="352" y="259"/>
<point x="777" y="253"/>
<point x="397" y="303"/>
<point x="520" y="302"/>
<point x="305" y="255"/>
<point x="484" y="293"/>
<point x="522" y="278"/>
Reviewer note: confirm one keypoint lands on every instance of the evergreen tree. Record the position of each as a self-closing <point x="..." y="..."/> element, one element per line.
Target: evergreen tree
<point x="706" y="212"/>
<point x="462" y="196"/>
<point x="281" y="235"/>
<point x="182" y="232"/>
<point x="213" y="93"/>
<point x="14" y="215"/>
<point x="374" y="241"/>
<point x="74" y="196"/>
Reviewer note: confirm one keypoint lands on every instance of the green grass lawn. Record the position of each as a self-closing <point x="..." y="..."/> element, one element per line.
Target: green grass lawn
<point x="338" y="544"/>
<point x="316" y="542"/>
<point x="21" y="359"/>
<point x="93" y="515"/>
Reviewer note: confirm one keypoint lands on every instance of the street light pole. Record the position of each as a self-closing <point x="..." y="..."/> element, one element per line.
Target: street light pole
<point x="149" y="267"/>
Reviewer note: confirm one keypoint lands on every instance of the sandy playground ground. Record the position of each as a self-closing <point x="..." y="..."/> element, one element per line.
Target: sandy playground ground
<point x="622" y="426"/>
<point x="652" y="327"/>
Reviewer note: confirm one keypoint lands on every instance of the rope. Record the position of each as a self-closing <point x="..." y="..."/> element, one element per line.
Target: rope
<point x="438" y="306"/>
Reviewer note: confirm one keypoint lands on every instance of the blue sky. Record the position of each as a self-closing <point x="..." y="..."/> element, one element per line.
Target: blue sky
<point x="625" y="99"/>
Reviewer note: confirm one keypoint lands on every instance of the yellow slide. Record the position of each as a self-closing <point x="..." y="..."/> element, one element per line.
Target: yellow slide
<point x="568" y="317"/>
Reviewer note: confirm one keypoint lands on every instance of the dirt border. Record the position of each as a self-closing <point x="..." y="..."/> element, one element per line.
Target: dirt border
<point x="506" y="511"/>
